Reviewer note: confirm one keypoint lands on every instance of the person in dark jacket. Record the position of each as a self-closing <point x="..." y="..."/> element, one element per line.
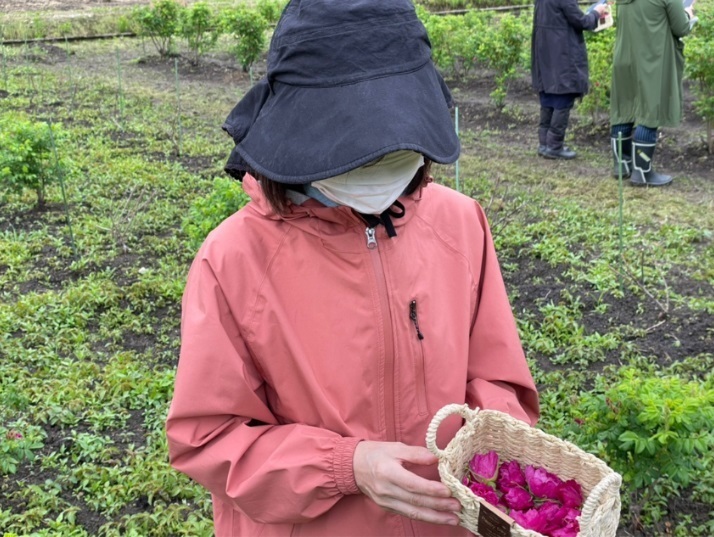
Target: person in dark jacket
<point x="646" y="90"/>
<point x="559" y="67"/>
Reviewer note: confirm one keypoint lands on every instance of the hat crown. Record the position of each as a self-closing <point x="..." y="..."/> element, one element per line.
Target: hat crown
<point x="322" y="43"/>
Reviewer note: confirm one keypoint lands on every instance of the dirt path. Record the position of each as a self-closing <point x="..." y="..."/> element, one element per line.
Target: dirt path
<point x="16" y="6"/>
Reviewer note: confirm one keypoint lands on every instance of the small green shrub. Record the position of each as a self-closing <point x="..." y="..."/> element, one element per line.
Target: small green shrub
<point x="206" y="213"/>
<point x="452" y="38"/>
<point x="597" y="101"/>
<point x="27" y="155"/>
<point x="478" y="38"/>
<point x="248" y="26"/>
<point x="649" y="426"/>
<point x="199" y="26"/>
<point x="124" y="24"/>
<point x="700" y="69"/>
<point x="40" y="27"/>
<point x="504" y="50"/>
<point x="159" y="22"/>
<point x="271" y="9"/>
<point x="17" y="444"/>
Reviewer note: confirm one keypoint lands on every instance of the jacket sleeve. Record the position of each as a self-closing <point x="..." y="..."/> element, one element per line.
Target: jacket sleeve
<point x="678" y="18"/>
<point x="221" y="431"/>
<point x="576" y="18"/>
<point x="499" y="377"/>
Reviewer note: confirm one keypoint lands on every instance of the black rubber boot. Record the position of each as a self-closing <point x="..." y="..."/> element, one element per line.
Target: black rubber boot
<point x="555" y="136"/>
<point x="642" y="174"/>
<point x="622" y="161"/>
<point x="543" y="127"/>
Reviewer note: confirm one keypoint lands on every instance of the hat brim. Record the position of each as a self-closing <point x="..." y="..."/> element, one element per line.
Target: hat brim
<point x="304" y="134"/>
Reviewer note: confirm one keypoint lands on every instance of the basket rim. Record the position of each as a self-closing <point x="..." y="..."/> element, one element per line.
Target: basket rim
<point x="601" y="484"/>
<point x="483" y="418"/>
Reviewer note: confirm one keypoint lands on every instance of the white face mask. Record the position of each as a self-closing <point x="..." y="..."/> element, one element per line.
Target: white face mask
<point x="373" y="188"/>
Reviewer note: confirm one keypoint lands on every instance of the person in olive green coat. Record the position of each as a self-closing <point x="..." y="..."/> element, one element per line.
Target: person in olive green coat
<point x="646" y="88"/>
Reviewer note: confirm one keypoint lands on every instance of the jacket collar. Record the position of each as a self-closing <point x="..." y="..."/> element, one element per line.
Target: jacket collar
<point x="312" y="214"/>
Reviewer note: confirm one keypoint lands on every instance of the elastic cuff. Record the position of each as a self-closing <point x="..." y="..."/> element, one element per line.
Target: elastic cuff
<point x="342" y="465"/>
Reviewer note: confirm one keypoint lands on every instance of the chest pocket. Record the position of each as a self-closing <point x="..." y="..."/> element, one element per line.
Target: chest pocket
<point x="418" y="360"/>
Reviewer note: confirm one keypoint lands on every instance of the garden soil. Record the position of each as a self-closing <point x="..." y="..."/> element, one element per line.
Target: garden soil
<point x="14" y="6"/>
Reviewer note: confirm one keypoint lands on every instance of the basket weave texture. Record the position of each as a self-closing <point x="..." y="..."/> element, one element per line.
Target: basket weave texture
<point x="487" y="430"/>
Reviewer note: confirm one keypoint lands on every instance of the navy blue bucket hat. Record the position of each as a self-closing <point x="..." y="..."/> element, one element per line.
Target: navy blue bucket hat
<point x="347" y="82"/>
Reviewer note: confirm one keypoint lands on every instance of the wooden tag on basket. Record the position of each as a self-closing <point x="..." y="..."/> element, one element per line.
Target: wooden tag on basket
<point x="492" y="522"/>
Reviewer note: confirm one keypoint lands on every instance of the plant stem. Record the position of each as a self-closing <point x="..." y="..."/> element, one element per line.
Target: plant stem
<point x="60" y="177"/>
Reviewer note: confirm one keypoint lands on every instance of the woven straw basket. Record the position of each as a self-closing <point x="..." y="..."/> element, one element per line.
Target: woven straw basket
<point x="488" y="430"/>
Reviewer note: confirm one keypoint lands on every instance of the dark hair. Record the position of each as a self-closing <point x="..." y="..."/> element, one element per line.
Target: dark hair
<point x="276" y="193"/>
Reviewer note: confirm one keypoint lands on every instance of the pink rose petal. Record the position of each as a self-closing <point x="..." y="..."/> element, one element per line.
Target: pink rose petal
<point x="517" y="498"/>
<point x="484" y="491"/>
<point x="570" y="494"/>
<point x="530" y="520"/>
<point x="571" y="515"/>
<point x="554" y="515"/>
<point x="484" y="466"/>
<point x="510" y="474"/>
<point x="569" y="530"/>
<point x="542" y="483"/>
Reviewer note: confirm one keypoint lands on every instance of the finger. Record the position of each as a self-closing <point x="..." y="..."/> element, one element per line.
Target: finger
<point x="416" y="455"/>
<point x="414" y="484"/>
<point x="447" y="505"/>
<point x="424" y="514"/>
<point x="422" y="499"/>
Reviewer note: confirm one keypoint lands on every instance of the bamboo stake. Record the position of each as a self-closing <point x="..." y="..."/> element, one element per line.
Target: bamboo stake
<point x="178" y="107"/>
<point x="4" y="70"/>
<point x="73" y="89"/>
<point x="458" y="185"/>
<point x="120" y="95"/>
<point x="621" y="203"/>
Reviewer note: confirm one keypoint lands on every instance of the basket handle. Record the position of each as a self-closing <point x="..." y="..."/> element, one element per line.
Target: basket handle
<point x="440" y="416"/>
<point x="595" y="498"/>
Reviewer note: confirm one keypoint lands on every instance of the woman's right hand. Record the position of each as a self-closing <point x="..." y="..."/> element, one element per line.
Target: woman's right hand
<point x="380" y="474"/>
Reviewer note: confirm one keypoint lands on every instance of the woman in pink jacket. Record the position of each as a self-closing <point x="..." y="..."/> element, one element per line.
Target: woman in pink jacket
<point x="328" y="320"/>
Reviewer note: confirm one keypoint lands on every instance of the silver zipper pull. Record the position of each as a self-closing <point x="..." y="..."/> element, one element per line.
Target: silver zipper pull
<point x="371" y="238"/>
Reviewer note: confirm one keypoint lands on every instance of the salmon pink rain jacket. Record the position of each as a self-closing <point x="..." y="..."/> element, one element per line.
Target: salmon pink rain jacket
<point x="299" y="341"/>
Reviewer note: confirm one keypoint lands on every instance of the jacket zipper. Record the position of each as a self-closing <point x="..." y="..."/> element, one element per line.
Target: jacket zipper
<point x="419" y="362"/>
<point x="388" y="388"/>
<point x="413" y="317"/>
<point x="371" y="238"/>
